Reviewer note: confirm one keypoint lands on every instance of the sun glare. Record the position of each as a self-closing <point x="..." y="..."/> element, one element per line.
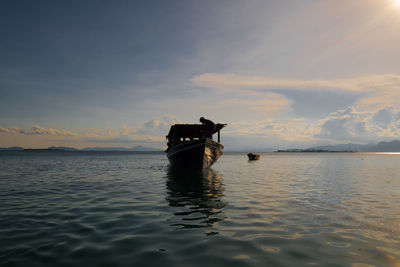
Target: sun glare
<point x="397" y="2"/>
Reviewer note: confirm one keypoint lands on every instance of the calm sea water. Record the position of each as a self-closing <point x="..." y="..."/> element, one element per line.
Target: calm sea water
<point x="129" y="209"/>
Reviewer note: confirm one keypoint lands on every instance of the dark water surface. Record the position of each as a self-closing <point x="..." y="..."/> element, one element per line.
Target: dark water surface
<point x="129" y="209"/>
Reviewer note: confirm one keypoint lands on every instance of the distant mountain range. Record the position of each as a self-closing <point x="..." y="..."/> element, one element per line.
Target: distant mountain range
<point x="63" y="148"/>
<point x="135" y="148"/>
<point x="393" y="146"/>
<point x="14" y="148"/>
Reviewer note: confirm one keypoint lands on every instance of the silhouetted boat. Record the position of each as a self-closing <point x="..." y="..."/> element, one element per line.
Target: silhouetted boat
<point x="190" y="146"/>
<point x="253" y="156"/>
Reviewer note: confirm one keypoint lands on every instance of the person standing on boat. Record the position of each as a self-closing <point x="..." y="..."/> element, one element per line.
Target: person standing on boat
<point x="208" y="126"/>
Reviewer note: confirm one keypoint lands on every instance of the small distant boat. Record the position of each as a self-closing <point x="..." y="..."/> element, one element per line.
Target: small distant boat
<point x="191" y="146"/>
<point x="253" y="156"/>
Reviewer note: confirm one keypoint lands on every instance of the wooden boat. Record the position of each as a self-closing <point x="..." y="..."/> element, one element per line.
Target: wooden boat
<point x="191" y="147"/>
<point x="253" y="156"/>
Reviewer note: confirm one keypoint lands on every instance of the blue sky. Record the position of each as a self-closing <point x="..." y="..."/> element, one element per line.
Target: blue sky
<point x="118" y="73"/>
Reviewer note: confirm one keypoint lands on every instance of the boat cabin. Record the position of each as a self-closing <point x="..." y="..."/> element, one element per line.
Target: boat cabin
<point x="180" y="133"/>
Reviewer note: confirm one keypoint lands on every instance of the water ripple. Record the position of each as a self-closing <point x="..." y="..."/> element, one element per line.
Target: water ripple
<point x="127" y="209"/>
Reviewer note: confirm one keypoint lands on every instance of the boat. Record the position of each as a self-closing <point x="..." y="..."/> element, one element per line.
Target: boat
<point x="253" y="156"/>
<point x="191" y="146"/>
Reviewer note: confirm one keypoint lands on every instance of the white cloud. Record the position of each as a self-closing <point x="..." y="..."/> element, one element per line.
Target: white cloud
<point x="360" y="126"/>
<point x="384" y="117"/>
<point x="151" y="133"/>
<point x="290" y="130"/>
<point x="263" y="103"/>
<point x="347" y="124"/>
<point x="149" y="130"/>
<point x="342" y="126"/>
<point x="157" y="126"/>
<point x="357" y="84"/>
<point x="36" y="130"/>
<point x="4" y="130"/>
<point x="375" y="90"/>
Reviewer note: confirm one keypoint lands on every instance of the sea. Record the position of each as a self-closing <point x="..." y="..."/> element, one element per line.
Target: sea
<point x="61" y="208"/>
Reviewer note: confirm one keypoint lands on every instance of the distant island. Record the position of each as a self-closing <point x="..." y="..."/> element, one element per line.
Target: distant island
<point x="13" y="148"/>
<point x="135" y="148"/>
<point x="63" y="148"/>
<point x="393" y="146"/>
<point x="312" y="150"/>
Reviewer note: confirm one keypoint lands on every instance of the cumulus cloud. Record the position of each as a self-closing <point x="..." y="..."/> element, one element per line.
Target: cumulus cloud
<point x="384" y="117"/>
<point x="136" y="139"/>
<point x="360" y="126"/>
<point x="152" y="128"/>
<point x="6" y="130"/>
<point x="289" y="130"/>
<point x="150" y="133"/>
<point x="36" y="130"/>
<point x="157" y="126"/>
<point x="347" y="124"/>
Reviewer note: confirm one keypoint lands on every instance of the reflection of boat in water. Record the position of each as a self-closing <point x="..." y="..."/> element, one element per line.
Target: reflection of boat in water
<point x="191" y="146"/>
<point x="198" y="196"/>
<point x="253" y="156"/>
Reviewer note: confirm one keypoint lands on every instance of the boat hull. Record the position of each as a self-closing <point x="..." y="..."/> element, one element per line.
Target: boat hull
<point x="253" y="156"/>
<point x="197" y="154"/>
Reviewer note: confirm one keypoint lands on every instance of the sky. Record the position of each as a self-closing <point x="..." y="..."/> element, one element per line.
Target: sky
<point x="281" y="73"/>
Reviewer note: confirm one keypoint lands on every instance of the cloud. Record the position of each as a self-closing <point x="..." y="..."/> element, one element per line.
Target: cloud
<point x="347" y="124"/>
<point x="157" y="126"/>
<point x="262" y="103"/>
<point x="384" y="117"/>
<point x="356" y="84"/>
<point x="150" y="133"/>
<point x="360" y="126"/>
<point x="137" y="139"/>
<point x="375" y="90"/>
<point x="9" y="129"/>
<point x="36" y="130"/>
<point x="290" y="130"/>
<point x="147" y="131"/>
